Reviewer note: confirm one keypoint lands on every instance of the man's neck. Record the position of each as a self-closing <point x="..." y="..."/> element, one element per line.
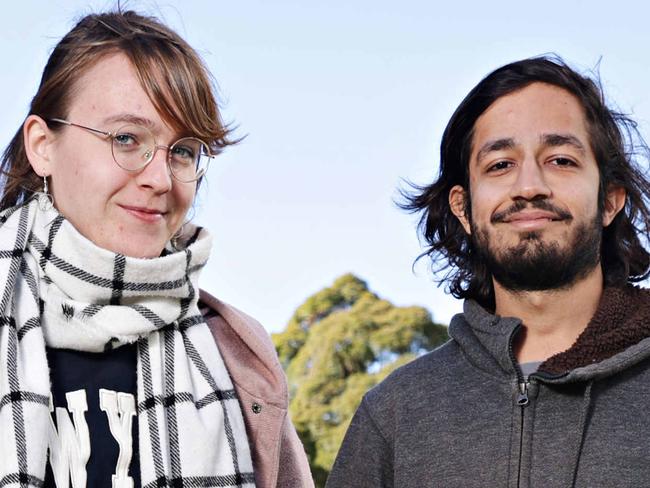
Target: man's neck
<point x="552" y="319"/>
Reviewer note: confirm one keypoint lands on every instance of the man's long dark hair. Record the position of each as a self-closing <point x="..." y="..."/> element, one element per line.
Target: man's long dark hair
<point x="616" y="144"/>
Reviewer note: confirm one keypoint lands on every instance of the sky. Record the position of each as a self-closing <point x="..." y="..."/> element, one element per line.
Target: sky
<point x="342" y="104"/>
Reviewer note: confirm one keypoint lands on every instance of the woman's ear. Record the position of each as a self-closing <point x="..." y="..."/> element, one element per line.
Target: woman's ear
<point x="458" y="204"/>
<point x="38" y="139"/>
<point x="614" y="202"/>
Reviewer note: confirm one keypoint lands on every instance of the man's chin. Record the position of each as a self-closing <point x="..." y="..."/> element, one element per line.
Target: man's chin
<point x="533" y="236"/>
<point x="537" y="260"/>
<point x="530" y="247"/>
<point x="538" y="266"/>
<point x="536" y="236"/>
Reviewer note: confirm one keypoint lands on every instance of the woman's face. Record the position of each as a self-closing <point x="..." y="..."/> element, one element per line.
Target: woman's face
<point x="131" y="213"/>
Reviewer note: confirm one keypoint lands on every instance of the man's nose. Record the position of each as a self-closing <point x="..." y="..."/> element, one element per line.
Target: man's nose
<point x="530" y="183"/>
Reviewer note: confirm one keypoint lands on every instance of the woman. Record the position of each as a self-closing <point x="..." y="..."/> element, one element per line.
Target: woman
<point x="115" y="370"/>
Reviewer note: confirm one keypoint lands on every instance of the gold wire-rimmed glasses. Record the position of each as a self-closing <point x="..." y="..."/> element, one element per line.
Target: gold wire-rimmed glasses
<point x="134" y="146"/>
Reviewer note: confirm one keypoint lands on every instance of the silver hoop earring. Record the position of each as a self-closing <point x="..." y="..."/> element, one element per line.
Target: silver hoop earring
<point x="45" y="200"/>
<point x="176" y="239"/>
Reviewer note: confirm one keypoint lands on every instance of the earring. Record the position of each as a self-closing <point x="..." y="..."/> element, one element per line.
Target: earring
<point x="45" y="201"/>
<point x="176" y="239"/>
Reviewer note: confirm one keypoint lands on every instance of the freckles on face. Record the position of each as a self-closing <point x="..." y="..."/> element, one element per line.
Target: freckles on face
<point x="132" y="213"/>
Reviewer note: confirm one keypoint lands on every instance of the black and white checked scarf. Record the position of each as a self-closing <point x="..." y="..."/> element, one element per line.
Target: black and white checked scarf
<point x="58" y="288"/>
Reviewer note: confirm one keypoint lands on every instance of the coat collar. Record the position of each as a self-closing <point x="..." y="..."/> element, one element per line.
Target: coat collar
<point x="247" y="351"/>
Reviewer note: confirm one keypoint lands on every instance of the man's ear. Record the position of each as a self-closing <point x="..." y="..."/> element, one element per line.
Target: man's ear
<point x="457" y="203"/>
<point x="38" y="138"/>
<point x="614" y="202"/>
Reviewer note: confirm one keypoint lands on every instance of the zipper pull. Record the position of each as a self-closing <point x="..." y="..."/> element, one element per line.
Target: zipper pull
<point x="522" y="398"/>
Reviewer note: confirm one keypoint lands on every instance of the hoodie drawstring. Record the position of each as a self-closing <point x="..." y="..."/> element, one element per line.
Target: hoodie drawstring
<point x="582" y="427"/>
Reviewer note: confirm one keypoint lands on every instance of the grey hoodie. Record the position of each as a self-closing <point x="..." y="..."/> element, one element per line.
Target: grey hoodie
<point x="463" y="416"/>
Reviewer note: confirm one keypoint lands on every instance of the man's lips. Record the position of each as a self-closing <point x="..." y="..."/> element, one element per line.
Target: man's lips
<point x="539" y="211"/>
<point x="532" y="215"/>
<point x="532" y="219"/>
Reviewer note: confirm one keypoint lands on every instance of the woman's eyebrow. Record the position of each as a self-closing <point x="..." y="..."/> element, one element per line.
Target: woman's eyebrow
<point x="130" y="119"/>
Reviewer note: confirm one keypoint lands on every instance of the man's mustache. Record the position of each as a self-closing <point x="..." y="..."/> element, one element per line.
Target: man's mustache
<point x="519" y="205"/>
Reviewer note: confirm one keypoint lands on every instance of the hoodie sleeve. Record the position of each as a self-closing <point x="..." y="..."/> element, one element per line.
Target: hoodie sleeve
<point x="365" y="459"/>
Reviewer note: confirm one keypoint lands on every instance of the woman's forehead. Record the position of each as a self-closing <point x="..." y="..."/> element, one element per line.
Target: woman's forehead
<point x="111" y="93"/>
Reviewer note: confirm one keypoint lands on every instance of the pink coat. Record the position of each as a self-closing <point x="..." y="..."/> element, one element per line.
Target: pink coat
<point x="279" y="458"/>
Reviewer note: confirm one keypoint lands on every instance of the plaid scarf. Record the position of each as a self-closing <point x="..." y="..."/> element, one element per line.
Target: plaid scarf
<point x="58" y="289"/>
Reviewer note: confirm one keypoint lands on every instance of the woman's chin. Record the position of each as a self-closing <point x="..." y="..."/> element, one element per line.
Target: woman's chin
<point x="134" y="247"/>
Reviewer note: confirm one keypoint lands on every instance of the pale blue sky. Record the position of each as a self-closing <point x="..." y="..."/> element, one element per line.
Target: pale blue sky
<point x="340" y="100"/>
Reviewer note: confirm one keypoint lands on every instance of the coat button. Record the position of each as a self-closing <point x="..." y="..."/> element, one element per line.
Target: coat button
<point x="256" y="407"/>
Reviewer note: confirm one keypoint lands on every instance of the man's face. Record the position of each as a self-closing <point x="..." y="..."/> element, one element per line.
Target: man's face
<point x="534" y="184"/>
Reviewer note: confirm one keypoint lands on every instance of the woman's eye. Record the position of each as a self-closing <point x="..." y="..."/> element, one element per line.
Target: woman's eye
<point x="184" y="153"/>
<point x="125" y="139"/>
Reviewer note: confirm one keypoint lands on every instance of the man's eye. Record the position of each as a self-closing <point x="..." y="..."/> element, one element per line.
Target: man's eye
<point x="500" y="165"/>
<point x="563" y="162"/>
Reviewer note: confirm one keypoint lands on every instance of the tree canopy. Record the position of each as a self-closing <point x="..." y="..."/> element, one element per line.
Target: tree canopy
<point x="339" y="343"/>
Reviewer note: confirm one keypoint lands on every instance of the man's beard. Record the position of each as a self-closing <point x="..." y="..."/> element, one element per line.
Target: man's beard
<point x="536" y="265"/>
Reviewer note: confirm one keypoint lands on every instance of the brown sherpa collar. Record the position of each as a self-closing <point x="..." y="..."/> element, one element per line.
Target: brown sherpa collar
<point x="621" y="320"/>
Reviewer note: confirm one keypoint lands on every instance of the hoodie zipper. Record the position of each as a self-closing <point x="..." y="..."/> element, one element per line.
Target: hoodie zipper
<point x="522" y="399"/>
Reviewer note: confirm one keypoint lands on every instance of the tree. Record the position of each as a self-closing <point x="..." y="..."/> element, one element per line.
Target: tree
<point x="340" y="343"/>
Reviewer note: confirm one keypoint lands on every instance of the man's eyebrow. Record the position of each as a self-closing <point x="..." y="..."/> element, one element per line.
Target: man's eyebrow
<point x="555" y="140"/>
<point x="128" y="118"/>
<point x="495" y="145"/>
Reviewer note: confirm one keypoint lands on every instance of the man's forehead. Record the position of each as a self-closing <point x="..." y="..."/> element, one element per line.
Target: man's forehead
<point x="539" y="113"/>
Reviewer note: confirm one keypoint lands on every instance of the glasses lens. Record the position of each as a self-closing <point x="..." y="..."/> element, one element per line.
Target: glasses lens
<point x="189" y="159"/>
<point x="133" y="147"/>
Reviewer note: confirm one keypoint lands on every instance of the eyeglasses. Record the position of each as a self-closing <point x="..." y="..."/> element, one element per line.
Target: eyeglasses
<point x="133" y="148"/>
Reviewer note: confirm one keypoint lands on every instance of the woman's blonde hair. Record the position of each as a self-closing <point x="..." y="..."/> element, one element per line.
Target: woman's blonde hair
<point x="170" y="72"/>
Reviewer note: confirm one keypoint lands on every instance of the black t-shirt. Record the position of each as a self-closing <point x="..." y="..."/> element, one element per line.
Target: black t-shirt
<point x="113" y="370"/>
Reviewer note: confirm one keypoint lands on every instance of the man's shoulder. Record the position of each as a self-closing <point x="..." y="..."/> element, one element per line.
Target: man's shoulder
<point x="435" y="370"/>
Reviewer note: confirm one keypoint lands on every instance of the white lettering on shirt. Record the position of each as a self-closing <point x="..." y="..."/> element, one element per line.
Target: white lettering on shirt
<point x="120" y="410"/>
<point x="70" y="446"/>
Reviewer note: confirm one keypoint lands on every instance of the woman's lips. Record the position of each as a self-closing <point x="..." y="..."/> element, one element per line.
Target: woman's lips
<point x="148" y="215"/>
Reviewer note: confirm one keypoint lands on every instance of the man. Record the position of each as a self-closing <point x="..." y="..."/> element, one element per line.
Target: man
<point x="540" y="214"/>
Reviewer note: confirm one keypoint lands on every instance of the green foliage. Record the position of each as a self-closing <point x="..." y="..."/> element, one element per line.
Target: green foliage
<point x="340" y="343"/>
<point x="342" y="294"/>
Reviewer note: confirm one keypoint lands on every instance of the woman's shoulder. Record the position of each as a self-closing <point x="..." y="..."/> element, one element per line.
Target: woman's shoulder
<point x="249" y="329"/>
<point x="246" y="348"/>
<point x="253" y="364"/>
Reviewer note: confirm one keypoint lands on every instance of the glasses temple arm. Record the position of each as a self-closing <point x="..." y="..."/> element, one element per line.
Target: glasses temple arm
<point x="66" y="122"/>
